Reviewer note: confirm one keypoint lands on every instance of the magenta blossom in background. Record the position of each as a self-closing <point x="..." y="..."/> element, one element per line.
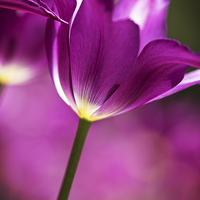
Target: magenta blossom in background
<point x="22" y="52"/>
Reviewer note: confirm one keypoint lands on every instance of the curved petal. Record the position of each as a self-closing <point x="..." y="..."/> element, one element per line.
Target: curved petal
<point x="190" y="79"/>
<point x="101" y="53"/>
<point x="57" y="47"/>
<point x="161" y="66"/>
<point x="58" y="58"/>
<point x="150" y="15"/>
<point x="31" y="6"/>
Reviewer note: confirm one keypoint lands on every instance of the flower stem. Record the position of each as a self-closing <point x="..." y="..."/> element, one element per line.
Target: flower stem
<point x="83" y="128"/>
<point x="1" y="92"/>
<point x="1" y="88"/>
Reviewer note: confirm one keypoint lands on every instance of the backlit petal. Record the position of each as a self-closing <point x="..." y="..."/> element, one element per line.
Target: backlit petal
<point x="57" y="47"/>
<point x="150" y="15"/>
<point x="160" y="66"/>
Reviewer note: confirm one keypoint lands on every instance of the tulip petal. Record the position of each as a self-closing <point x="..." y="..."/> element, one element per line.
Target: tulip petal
<point x="65" y="8"/>
<point x="31" y="6"/>
<point x="150" y="15"/>
<point x="57" y="48"/>
<point x="160" y="67"/>
<point x="102" y="52"/>
<point x="58" y="59"/>
<point x="190" y="79"/>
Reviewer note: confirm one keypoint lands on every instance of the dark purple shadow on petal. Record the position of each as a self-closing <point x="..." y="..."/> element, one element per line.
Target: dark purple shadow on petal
<point x="111" y="91"/>
<point x="50" y="36"/>
<point x="64" y="59"/>
<point x="160" y="66"/>
<point x="108" y="4"/>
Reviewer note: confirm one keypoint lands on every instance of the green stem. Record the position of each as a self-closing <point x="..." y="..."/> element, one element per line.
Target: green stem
<point x="83" y="128"/>
<point x="1" y="92"/>
<point x="1" y="88"/>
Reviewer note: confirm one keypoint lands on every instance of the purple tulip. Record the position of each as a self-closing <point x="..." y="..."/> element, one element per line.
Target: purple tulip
<point x="96" y="62"/>
<point x="109" y="59"/>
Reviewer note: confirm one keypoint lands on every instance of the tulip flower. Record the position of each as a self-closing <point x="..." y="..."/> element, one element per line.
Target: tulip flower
<point x="96" y="63"/>
<point x="109" y="61"/>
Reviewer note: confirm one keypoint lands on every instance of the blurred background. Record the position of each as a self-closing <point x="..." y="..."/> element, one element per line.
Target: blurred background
<point x="183" y="25"/>
<point x="151" y="153"/>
